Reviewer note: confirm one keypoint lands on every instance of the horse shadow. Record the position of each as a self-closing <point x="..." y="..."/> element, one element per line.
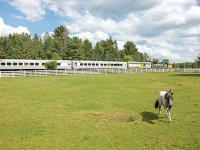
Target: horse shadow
<point x="148" y="117"/>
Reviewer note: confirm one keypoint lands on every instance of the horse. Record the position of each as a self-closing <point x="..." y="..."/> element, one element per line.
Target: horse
<point x="165" y="99"/>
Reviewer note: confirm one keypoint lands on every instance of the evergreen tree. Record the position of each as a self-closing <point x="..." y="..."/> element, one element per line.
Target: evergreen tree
<point x="107" y="50"/>
<point x="61" y="33"/>
<point x="76" y="49"/>
<point x="47" y="46"/>
<point x="60" y="40"/>
<point x="130" y="49"/>
<point x="37" y="51"/>
<point x="26" y="46"/>
<point x="99" y="51"/>
<point x="88" y="51"/>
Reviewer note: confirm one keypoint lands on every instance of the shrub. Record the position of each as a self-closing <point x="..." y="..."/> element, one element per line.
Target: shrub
<point x="51" y="65"/>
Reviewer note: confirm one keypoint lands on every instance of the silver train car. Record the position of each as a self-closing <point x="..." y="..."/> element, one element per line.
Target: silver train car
<point x="99" y="65"/>
<point x="20" y="64"/>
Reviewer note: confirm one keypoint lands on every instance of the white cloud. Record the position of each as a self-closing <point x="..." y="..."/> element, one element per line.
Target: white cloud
<point x="92" y="36"/>
<point x="32" y="9"/>
<point x="6" y="29"/>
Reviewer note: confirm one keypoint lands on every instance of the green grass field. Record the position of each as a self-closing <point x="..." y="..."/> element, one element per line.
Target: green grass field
<point x="99" y="112"/>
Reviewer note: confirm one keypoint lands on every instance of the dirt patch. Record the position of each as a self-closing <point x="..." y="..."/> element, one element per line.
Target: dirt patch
<point x="118" y="116"/>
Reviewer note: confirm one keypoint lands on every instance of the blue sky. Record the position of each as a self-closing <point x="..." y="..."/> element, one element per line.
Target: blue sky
<point x="167" y="29"/>
<point x="47" y="24"/>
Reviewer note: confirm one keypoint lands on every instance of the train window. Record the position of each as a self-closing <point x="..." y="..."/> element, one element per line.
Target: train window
<point x="26" y="64"/>
<point x="101" y="64"/>
<point x="15" y="64"/>
<point x="3" y="64"/>
<point x="85" y="64"/>
<point x="89" y="64"/>
<point x="32" y="64"/>
<point x="81" y="64"/>
<point x="93" y="64"/>
<point x="8" y="64"/>
<point x="43" y="64"/>
<point x="97" y="64"/>
<point x="58" y="64"/>
<point x="105" y="64"/>
<point x="37" y="64"/>
<point x="112" y="64"/>
<point x="21" y="64"/>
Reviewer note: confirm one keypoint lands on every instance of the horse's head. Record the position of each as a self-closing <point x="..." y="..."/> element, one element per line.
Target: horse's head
<point x="169" y="98"/>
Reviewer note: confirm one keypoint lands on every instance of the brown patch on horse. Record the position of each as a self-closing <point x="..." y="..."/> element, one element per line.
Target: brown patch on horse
<point x="167" y="98"/>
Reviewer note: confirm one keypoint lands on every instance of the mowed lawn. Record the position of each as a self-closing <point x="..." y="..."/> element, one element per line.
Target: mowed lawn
<point x="99" y="112"/>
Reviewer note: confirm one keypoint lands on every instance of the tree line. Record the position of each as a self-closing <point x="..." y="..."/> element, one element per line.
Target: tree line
<point x="59" y="46"/>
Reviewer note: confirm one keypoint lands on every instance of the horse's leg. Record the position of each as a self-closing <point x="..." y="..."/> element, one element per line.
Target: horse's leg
<point x="168" y="114"/>
<point x="159" y="109"/>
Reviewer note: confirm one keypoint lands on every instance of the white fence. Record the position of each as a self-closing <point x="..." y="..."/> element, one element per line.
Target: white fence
<point x="34" y="73"/>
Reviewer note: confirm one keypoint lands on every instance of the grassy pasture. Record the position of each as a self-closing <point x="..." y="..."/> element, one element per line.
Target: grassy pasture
<point x="99" y="112"/>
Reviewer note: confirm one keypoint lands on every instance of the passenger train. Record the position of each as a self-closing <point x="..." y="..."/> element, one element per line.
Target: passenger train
<point x="20" y="64"/>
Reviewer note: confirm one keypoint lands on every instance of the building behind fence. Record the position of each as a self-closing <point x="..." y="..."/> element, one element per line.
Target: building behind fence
<point x="34" y="73"/>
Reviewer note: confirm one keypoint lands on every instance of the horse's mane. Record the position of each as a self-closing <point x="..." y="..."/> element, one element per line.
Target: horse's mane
<point x="167" y="95"/>
<point x="167" y="98"/>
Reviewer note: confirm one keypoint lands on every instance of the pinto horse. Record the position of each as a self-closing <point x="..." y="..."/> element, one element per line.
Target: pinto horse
<point x="165" y="99"/>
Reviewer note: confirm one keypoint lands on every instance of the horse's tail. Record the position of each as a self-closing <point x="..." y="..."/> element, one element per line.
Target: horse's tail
<point x="156" y="104"/>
